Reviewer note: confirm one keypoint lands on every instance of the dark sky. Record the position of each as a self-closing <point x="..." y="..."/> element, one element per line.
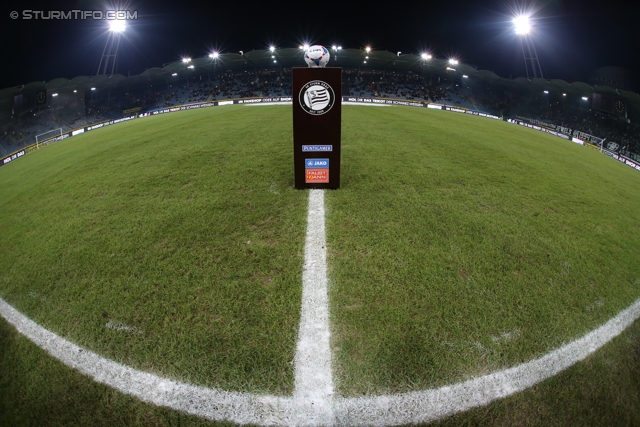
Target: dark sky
<point x="572" y="37"/>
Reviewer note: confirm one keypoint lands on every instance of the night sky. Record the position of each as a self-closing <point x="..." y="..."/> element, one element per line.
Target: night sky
<point x="572" y="37"/>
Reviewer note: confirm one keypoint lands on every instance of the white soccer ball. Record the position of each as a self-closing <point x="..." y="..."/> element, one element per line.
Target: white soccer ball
<point x="317" y="56"/>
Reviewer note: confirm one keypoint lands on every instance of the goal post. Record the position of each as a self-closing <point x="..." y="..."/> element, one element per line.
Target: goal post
<point x="45" y="137"/>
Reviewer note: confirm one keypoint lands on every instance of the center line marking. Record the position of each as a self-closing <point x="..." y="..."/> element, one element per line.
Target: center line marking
<point x="313" y="388"/>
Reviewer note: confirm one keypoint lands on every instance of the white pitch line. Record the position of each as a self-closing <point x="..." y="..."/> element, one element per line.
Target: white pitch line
<point x="429" y="405"/>
<point x="313" y="390"/>
<point x="265" y="410"/>
<point x="213" y="404"/>
<point x="313" y="402"/>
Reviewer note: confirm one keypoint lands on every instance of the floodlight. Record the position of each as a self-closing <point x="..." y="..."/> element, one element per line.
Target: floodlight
<point x="464" y="76"/>
<point x="453" y="61"/>
<point x="522" y="24"/>
<point x="93" y="88"/>
<point x="368" y="49"/>
<point x="425" y="56"/>
<point x="117" y="25"/>
<point x="564" y="94"/>
<point x="191" y="66"/>
<point x="305" y="47"/>
<point x="546" y="91"/>
<point x="214" y="55"/>
<point x="584" y="98"/>
<point x="186" y="60"/>
<point x="272" y="48"/>
<point x="334" y="47"/>
<point x="174" y="74"/>
<point x="54" y="94"/>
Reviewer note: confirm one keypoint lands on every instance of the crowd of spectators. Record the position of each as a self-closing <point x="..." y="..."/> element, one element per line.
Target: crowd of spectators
<point x="75" y="113"/>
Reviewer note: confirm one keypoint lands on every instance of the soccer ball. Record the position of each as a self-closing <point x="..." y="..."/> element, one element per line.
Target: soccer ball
<point x="317" y="56"/>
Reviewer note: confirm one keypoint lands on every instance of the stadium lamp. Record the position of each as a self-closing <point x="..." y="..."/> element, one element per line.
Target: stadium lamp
<point x="368" y="49"/>
<point x="425" y="56"/>
<point x="117" y="26"/>
<point x="523" y="27"/>
<point x="186" y="60"/>
<point x="521" y="24"/>
<point x="453" y="61"/>
<point x="214" y="55"/>
<point x="272" y="49"/>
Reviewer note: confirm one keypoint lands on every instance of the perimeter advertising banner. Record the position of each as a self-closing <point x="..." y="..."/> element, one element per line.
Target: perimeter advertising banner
<point x="317" y="127"/>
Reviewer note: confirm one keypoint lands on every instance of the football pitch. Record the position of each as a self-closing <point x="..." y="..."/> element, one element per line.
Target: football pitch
<point x="456" y="247"/>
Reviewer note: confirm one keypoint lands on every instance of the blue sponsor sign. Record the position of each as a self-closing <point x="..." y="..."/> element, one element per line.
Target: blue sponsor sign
<point x="316" y="163"/>
<point x="317" y="148"/>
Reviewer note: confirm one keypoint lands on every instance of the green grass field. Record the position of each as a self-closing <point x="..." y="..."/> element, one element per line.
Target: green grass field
<point x="457" y="246"/>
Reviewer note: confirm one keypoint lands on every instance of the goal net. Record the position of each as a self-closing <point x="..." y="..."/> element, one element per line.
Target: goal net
<point x="47" y="137"/>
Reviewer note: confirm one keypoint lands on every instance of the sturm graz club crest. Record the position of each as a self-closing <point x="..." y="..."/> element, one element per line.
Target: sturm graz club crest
<point x="316" y="97"/>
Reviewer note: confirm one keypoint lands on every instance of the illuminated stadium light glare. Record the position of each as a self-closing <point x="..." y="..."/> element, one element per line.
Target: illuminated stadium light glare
<point x="546" y="91"/>
<point x="367" y="49"/>
<point x="93" y="88"/>
<point x="186" y="60"/>
<point x="191" y="67"/>
<point x="117" y="25"/>
<point x="564" y="94"/>
<point x="426" y="56"/>
<point x="272" y="49"/>
<point x="522" y="24"/>
<point x="214" y="55"/>
<point x="453" y="61"/>
<point x="584" y="98"/>
<point x="54" y="94"/>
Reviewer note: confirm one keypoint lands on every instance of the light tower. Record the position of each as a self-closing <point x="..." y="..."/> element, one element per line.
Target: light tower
<point x="107" y="63"/>
<point x="522" y="27"/>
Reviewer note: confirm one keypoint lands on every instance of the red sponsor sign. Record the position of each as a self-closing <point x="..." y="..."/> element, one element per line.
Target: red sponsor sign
<point x="317" y="175"/>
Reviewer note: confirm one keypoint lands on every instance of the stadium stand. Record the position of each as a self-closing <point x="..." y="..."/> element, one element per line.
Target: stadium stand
<point x="85" y="100"/>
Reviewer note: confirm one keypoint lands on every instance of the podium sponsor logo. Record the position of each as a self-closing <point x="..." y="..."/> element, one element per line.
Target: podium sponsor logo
<point x="317" y="175"/>
<point x="317" y="148"/>
<point x="316" y="163"/>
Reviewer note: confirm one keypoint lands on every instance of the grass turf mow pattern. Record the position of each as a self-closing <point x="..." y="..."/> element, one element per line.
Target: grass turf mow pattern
<point x="350" y="141"/>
